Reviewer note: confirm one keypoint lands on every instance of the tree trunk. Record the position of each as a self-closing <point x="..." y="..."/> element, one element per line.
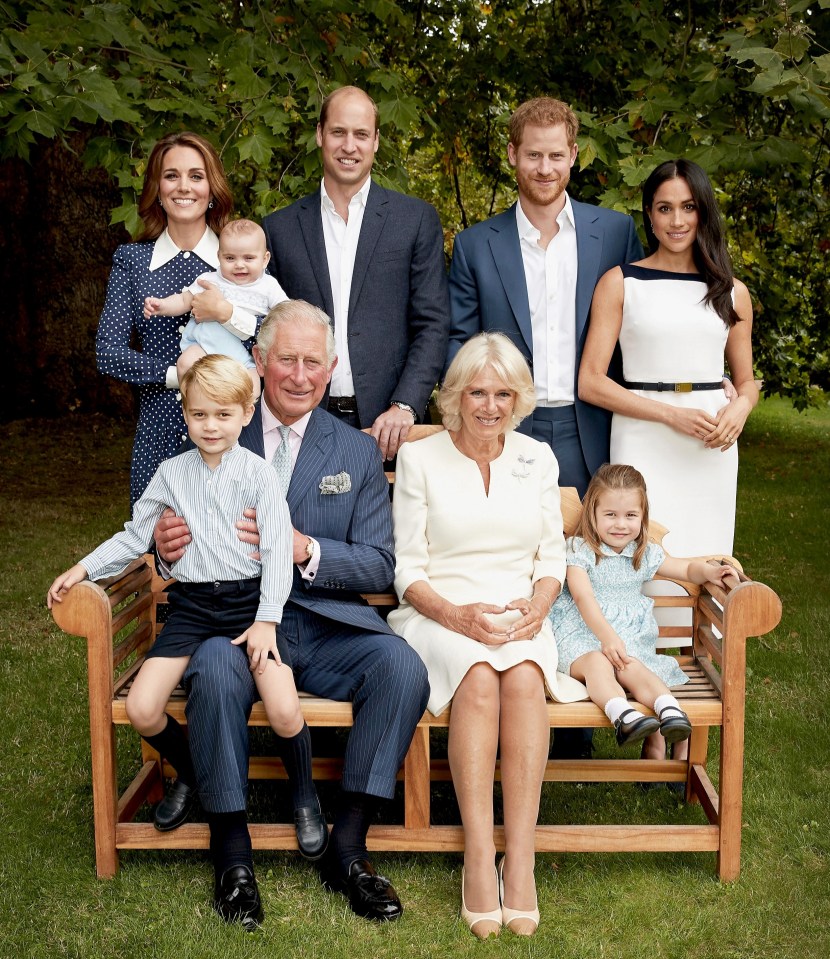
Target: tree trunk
<point x="56" y="251"/>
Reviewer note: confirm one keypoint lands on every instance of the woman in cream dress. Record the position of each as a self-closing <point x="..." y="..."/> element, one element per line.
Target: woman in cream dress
<point x="480" y="559"/>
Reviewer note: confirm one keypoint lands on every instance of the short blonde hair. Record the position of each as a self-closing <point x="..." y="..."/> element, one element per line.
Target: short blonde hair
<point x="612" y="477"/>
<point x="243" y="227"/>
<point x="220" y="379"/>
<point x="542" y="112"/>
<point x="486" y="351"/>
<point x="301" y="313"/>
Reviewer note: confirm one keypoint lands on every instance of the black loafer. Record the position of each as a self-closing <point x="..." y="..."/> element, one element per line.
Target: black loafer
<point x="312" y="832"/>
<point x="176" y="806"/>
<point x="236" y="898"/>
<point x="637" y="729"/>
<point x="676" y="727"/>
<point x="370" y="895"/>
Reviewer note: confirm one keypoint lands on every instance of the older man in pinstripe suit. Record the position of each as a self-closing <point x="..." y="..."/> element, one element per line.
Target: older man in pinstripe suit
<point x="338" y="646"/>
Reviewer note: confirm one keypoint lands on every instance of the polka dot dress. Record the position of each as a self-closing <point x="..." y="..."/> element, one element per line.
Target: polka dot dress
<point x="122" y="327"/>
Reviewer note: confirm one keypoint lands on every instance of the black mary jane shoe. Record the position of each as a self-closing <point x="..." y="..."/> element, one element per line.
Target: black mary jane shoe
<point x="675" y="727"/>
<point x="312" y="832"/>
<point x="370" y="895"/>
<point x="176" y="806"/>
<point x="637" y="729"/>
<point x="236" y="898"/>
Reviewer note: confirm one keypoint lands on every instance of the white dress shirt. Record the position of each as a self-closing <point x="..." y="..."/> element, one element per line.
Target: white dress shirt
<point x="551" y="290"/>
<point x="341" y="238"/>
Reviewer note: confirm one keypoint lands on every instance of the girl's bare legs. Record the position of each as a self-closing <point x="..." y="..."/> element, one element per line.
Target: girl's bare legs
<point x="473" y="740"/>
<point x="524" y="738"/>
<point x="597" y="673"/>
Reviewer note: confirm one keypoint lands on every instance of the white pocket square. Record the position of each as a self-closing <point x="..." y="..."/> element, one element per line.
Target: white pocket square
<point x="341" y="483"/>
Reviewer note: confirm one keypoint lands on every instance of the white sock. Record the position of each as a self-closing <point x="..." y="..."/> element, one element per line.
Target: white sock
<point x="615" y="707"/>
<point x="667" y="701"/>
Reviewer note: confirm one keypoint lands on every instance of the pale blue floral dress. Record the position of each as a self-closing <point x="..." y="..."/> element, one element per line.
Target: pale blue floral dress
<point x="617" y="587"/>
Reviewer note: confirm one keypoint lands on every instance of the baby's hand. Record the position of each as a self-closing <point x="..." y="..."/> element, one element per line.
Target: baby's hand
<point x="262" y="640"/>
<point x="614" y="651"/>
<point x="63" y="583"/>
<point x="152" y="304"/>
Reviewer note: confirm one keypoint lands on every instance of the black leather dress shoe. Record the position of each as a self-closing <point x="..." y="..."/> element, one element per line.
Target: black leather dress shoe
<point x="312" y="832"/>
<point x="637" y="729"/>
<point x="236" y="898"/>
<point x="370" y="895"/>
<point x="176" y="806"/>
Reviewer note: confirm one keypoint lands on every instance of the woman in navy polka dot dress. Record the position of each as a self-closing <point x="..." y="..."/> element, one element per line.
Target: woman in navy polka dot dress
<point x="184" y="204"/>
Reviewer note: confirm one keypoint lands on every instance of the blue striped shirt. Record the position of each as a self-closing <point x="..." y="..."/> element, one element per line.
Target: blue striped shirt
<point x="211" y="501"/>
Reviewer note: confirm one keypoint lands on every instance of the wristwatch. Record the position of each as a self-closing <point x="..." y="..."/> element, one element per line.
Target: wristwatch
<point x="309" y="550"/>
<point x="408" y="408"/>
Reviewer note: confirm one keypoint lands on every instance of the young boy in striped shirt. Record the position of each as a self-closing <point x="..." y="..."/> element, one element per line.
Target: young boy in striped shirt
<point x="219" y="590"/>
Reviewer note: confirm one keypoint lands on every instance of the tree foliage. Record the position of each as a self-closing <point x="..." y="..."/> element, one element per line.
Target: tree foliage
<point x="740" y="86"/>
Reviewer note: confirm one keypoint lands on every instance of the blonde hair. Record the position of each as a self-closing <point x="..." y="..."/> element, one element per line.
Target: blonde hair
<point x="486" y="351"/>
<point x="542" y="112"/>
<point x="243" y="227"/>
<point x="294" y="311"/>
<point x="612" y="478"/>
<point x="220" y="379"/>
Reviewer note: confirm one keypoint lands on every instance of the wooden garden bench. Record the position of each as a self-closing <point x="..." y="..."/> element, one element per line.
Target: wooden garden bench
<point x="118" y="619"/>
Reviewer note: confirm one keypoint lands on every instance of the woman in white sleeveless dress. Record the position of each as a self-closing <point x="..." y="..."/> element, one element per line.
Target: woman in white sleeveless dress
<point x="676" y="315"/>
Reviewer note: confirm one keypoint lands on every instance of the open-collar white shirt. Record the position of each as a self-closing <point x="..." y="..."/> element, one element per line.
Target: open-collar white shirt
<point x="551" y="291"/>
<point x="341" y="238"/>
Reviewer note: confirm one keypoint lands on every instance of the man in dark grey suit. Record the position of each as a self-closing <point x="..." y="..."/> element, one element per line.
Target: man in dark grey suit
<point x="530" y="273"/>
<point x="338" y="646"/>
<point x="373" y="260"/>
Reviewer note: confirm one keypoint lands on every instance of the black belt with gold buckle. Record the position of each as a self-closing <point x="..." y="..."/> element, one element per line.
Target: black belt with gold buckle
<point x="673" y="387"/>
<point x="342" y="404"/>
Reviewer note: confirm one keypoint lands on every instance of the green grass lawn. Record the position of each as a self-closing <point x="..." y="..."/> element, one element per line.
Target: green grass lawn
<point x="63" y="488"/>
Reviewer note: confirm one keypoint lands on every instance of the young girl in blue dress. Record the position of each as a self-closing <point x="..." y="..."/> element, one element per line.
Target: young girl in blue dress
<point x="605" y="628"/>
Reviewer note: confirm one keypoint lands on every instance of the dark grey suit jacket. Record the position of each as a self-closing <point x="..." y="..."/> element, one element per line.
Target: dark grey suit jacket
<point x="488" y="292"/>
<point x="354" y="529"/>
<point x="398" y="307"/>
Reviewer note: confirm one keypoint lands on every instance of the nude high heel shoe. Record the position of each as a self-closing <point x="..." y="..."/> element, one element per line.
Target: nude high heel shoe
<point x="474" y="918"/>
<point x="509" y="915"/>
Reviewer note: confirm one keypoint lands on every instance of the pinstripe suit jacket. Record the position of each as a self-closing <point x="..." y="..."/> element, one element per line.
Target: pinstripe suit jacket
<point x="354" y="529"/>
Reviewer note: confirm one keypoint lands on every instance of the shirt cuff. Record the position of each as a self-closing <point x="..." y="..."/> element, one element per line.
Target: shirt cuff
<point x="309" y="571"/>
<point x="242" y="323"/>
<point x="171" y="379"/>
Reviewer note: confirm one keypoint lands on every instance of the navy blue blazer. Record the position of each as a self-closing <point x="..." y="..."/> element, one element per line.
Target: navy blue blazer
<point x="354" y="529"/>
<point x="399" y="313"/>
<point x="488" y="292"/>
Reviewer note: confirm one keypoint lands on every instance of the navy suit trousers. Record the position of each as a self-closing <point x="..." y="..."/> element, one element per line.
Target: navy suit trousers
<point x="379" y="673"/>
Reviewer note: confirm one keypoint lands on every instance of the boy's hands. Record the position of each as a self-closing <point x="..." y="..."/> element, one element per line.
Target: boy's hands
<point x="62" y="584"/>
<point x="262" y="640"/>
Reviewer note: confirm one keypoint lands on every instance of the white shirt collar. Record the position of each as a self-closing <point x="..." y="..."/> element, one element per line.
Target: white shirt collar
<point x="270" y="421"/>
<point x="165" y="250"/>
<point x="527" y="231"/>
<point x="360" y="197"/>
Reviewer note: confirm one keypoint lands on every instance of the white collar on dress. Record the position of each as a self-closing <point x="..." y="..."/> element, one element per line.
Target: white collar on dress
<point x="165" y="250"/>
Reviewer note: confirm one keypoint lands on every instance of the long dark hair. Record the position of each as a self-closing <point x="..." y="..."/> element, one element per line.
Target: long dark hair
<point x="710" y="253"/>
<point x="152" y="215"/>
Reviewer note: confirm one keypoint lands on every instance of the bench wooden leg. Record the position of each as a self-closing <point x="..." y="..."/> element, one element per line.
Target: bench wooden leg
<point x="731" y="797"/>
<point x="104" y="795"/>
<point x="416" y="781"/>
